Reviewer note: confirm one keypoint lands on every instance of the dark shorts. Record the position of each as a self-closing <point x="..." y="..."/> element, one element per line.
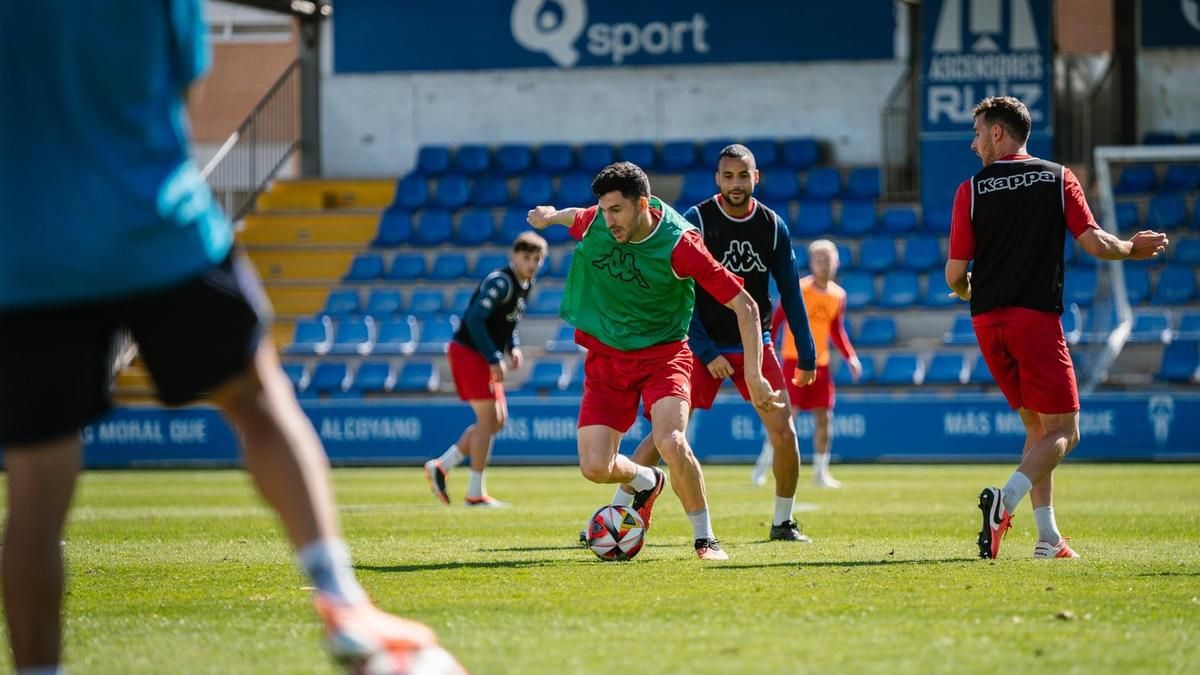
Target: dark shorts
<point x="56" y="362"/>
<point x="1028" y="357"/>
<point x="613" y="385"/>
<point x="816" y="396"/>
<point x="705" y="387"/>
<point x="472" y="374"/>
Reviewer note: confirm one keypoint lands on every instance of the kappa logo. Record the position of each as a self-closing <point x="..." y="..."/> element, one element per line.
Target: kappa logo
<point x="1014" y="182"/>
<point x="741" y="257"/>
<point x="1161" y="411"/>
<point x="621" y="265"/>
<point x="985" y="25"/>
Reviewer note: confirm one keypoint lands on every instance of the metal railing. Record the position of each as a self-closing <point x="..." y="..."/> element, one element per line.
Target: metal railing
<point x="254" y="154"/>
<point x="900" y="142"/>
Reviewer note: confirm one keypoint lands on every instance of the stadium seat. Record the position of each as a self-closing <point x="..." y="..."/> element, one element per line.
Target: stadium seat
<point x="1176" y="286"/>
<point x="822" y="183"/>
<point x="448" y="266"/>
<point x="329" y="378"/>
<point x="877" y="254"/>
<point x="555" y="158"/>
<point x="562" y="267"/>
<point x="1193" y="138"/>
<point x="486" y="263"/>
<point x="434" y="335"/>
<point x="575" y="189"/>
<point x="901" y="288"/>
<point x="898" y="220"/>
<point x="563" y="341"/>
<point x="365" y="268"/>
<point x="980" y="373"/>
<point x="843" y="377"/>
<point x="395" y="228"/>
<point x="472" y="159"/>
<point x="641" y="153"/>
<point x="962" y="332"/>
<point x="776" y="186"/>
<point x="383" y="303"/>
<point x="341" y="303"/>
<point x="411" y="192"/>
<point x="812" y="219"/>
<point x="1180" y="360"/>
<point x="548" y="375"/>
<point x="396" y="336"/>
<point x="921" y="253"/>
<point x="863" y="183"/>
<point x="710" y="151"/>
<point x="800" y="251"/>
<point x="416" y="376"/>
<point x="460" y="301"/>
<point x="800" y="153"/>
<point x="1181" y="178"/>
<point x="489" y="191"/>
<point x="426" y="302"/>
<point x="513" y="159"/>
<point x="677" y="156"/>
<point x="1137" y="284"/>
<point x="946" y="368"/>
<point x="354" y="337"/>
<point x="1151" y="325"/>
<point x="901" y="369"/>
<point x="698" y="185"/>
<point x="937" y="220"/>
<point x="1189" y="327"/>
<point x="374" y="377"/>
<point x="1160" y="138"/>
<point x="1187" y="252"/>
<point x="433" y="160"/>
<point x="765" y="151"/>
<point x="1136" y="179"/>
<point x="1127" y="216"/>
<point x="312" y="336"/>
<point x="846" y="257"/>
<point x="1167" y="212"/>
<point x="1079" y="286"/>
<point x="534" y="189"/>
<point x="858" y="218"/>
<point x="433" y="228"/>
<point x="452" y="191"/>
<point x="595" y="156"/>
<point x="297" y="375"/>
<point x="545" y="302"/>
<point x="475" y="227"/>
<point x="515" y="221"/>
<point x="860" y="289"/>
<point x="937" y="293"/>
<point x="407" y="267"/>
<point x="877" y="331"/>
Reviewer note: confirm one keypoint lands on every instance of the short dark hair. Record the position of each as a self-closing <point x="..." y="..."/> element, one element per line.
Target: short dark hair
<point x="737" y="151"/>
<point x="529" y="241"/>
<point x="1007" y="111"/>
<point x="624" y="177"/>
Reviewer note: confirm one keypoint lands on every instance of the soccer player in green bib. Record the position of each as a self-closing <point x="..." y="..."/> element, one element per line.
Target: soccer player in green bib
<point x="629" y="295"/>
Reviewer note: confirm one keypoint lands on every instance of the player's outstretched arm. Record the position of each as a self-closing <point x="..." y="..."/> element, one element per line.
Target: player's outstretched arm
<point x="750" y="328"/>
<point x="1107" y="246"/>
<point x="542" y="217"/>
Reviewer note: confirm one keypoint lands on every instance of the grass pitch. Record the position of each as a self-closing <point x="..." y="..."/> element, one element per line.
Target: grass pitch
<point x="185" y="572"/>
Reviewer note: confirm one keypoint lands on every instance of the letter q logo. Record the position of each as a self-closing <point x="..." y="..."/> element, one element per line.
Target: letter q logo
<point x="538" y="29"/>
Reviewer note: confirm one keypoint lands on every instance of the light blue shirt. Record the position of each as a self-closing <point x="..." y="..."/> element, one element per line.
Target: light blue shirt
<point x="98" y="198"/>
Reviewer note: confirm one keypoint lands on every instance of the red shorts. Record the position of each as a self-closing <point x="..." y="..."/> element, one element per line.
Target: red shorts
<point x="705" y="386"/>
<point x="819" y="394"/>
<point x="1028" y="357"/>
<point x="472" y="374"/>
<point x="613" y="384"/>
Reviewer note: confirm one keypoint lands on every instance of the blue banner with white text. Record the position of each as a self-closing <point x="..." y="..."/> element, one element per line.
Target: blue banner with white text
<point x="1170" y="23"/>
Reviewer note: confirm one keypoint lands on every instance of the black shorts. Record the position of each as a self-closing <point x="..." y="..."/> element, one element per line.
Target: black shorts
<point x="56" y="362"/>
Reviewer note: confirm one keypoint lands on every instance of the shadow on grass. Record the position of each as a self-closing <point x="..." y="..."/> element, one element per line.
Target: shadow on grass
<point x="474" y="564"/>
<point x="1170" y="574"/>
<point x="845" y="563"/>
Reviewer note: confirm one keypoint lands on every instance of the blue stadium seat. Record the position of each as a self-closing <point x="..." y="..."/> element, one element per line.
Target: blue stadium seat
<point x="475" y="227"/>
<point x="329" y="378"/>
<point x="416" y="376"/>
<point x="426" y="302"/>
<point x="513" y="159"/>
<point x="877" y="331"/>
<point x="842" y="376"/>
<point x="460" y="301"/>
<point x="383" y="303"/>
<point x="1160" y="138"/>
<point x="411" y="192"/>
<point x="980" y="373"/>
<point x="846" y="257"/>
<point x="486" y="263"/>
<point x="710" y="151"/>
<point x="776" y="186"/>
<point x="677" y="156"/>
<point x="937" y="220"/>
<point x="1137" y="284"/>
<point x="900" y="289"/>
<point x="1151" y="325"/>
<point x="516" y="221"/>
<point x="1127" y="216"/>
<point x="1189" y="327"/>
<point x="548" y="375"/>
<point x="1166" y="212"/>
<point x="1136" y="179"/>
<point x="595" y="156"/>
<point x="921" y="253"/>
<point x="575" y="189"/>
<point x="860" y="289"/>
<point x="297" y="375"/>
<point x="898" y="219"/>
<point x="312" y="336"/>
<point x="395" y="228"/>
<point x="863" y="183"/>
<point x="962" y="332"/>
<point x="563" y="341"/>
<point x="1193" y="137"/>
<point x="698" y="185"/>
<point x="354" y="337"/>
<point x="800" y="251"/>
<point x="641" y="153"/>
<point x="555" y="158"/>
<point x="434" y="335"/>
<point x="1079" y="286"/>
<point x="374" y="377"/>
<point x="448" y="266"/>
<point x="577" y="376"/>
<point x="858" y="217"/>
<point x="433" y="160"/>
<point x="765" y="151"/>
<point x="937" y="293"/>
<point x="812" y="218"/>
<point x="1180" y="360"/>
<point x="562" y="267"/>
<point x="396" y="336"/>
<point x="433" y="228"/>
<point x="342" y="303"/>
<point x="1176" y="286"/>
<point x="1181" y="178"/>
<point x="452" y="192"/>
<point x="900" y="369"/>
<point x="546" y="302"/>
<point x="800" y="153"/>
<point x="365" y="268"/>
<point x="534" y="189"/>
<point x="407" y="267"/>
<point x="822" y="183"/>
<point x="472" y="159"/>
<point x="877" y="254"/>
<point x="946" y="368"/>
<point x="489" y="191"/>
<point x="1187" y="252"/>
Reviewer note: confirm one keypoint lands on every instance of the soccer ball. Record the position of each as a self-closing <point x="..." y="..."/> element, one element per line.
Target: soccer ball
<point x="615" y="532"/>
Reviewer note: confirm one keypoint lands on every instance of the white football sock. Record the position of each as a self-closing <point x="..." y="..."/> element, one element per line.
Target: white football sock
<point x="327" y="563"/>
<point x="451" y="458"/>
<point x="783" y="509"/>
<point x="622" y="497"/>
<point x="701" y="525"/>
<point x="1015" y="489"/>
<point x="645" y="479"/>
<point x="475" y="487"/>
<point x="1047" y="528"/>
<point x="820" y="463"/>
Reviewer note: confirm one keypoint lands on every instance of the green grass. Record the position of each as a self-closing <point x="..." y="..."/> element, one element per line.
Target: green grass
<point x="185" y="572"/>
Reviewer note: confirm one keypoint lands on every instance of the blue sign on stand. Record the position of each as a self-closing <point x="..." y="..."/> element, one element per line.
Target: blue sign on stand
<point x="972" y="49"/>
<point x="1170" y="23"/>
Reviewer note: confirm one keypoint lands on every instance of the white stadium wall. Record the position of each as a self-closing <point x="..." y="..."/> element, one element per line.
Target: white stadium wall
<point x="1169" y="90"/>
